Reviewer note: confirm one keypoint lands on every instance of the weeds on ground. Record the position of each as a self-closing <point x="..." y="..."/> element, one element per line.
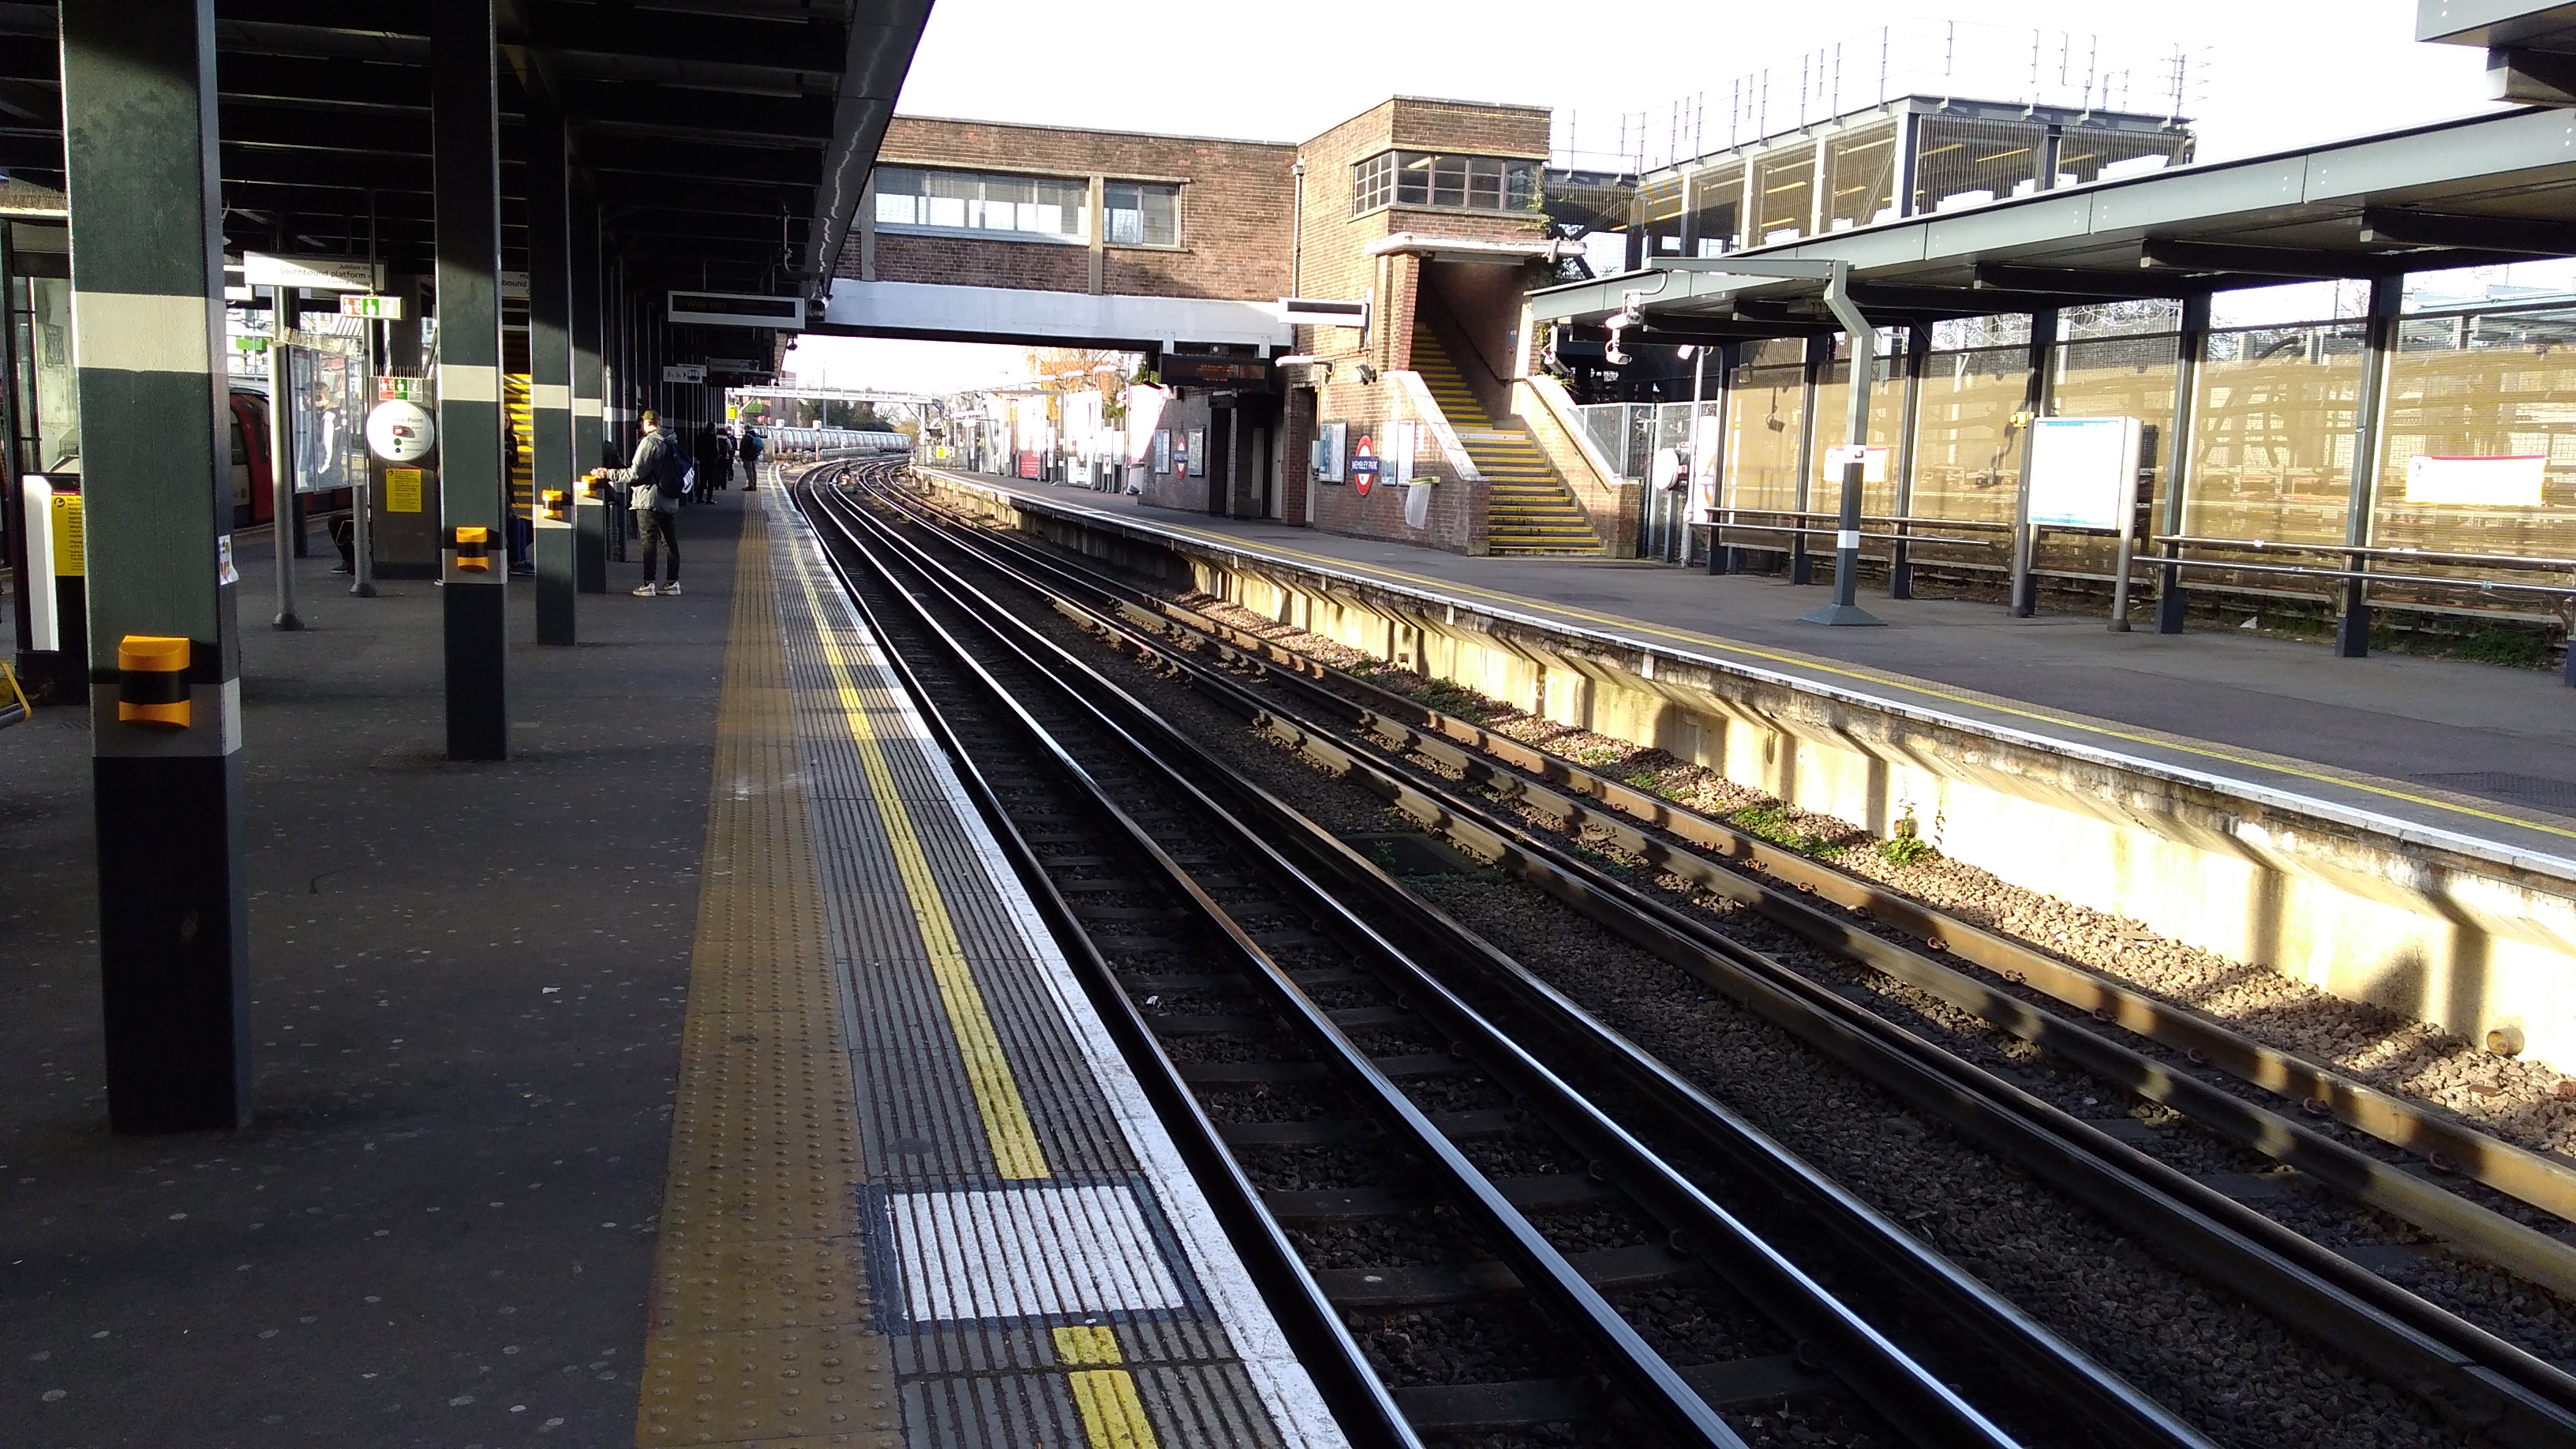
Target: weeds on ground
<point x="1771" y="823"/>
<point x="2514" y="648"/>
<point x="1906" y="850"/>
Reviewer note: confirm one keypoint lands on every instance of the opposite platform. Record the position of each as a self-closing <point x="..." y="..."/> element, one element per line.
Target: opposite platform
<point x="916" y="1197"/>
<point x="2462" y="756"/>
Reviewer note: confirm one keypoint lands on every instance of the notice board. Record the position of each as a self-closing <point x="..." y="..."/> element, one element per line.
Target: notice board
<point x="2083" y="471"/>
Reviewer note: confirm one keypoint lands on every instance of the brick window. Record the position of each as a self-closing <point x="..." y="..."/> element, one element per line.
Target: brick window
<point x="1140" y="214"/>
<point x="1022" y="208"/>
<point x="1421" y="178"/>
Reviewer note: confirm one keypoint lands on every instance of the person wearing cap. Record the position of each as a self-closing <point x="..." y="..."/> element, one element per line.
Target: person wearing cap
<point x="660" y="467"/>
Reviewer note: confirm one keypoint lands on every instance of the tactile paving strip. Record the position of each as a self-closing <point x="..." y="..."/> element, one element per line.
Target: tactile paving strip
<point x="1042" y="1265"/>
<point x="759" y="1330"/>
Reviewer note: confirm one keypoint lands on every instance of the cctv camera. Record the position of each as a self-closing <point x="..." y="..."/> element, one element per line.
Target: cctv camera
<point x="1612" y="355"/>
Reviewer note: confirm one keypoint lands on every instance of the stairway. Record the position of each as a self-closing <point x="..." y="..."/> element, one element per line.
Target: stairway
<point x="1528" y="508"/>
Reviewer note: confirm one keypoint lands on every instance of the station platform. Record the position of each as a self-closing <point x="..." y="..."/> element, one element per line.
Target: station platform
<point x="697" y="1076"/>
<point x="2465" y="756"/>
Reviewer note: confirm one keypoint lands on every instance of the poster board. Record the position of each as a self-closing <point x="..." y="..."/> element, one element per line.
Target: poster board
<point x="1332" y="443"/>
<point x="1873" y="464"/>
<point x="1162" y="450"/>
<point x="1403" y="441"/>
<point x="1198" y="452"/>
<point x="2512" y="481"/>
<point x="2083" y="471"/>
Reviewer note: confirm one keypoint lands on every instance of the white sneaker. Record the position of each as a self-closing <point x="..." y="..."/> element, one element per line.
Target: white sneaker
<point x="645" y="590"/>
<point x="671" y="588"/>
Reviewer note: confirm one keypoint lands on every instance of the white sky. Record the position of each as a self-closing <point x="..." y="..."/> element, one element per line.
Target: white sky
<point x="2277" y="74"/>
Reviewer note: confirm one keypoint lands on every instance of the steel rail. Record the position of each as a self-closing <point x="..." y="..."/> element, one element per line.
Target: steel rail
<point x="1912" y="1398"/>
<point x="2464" y="1371"/>
<point x="1359" y="1399"/>
<point x="1649" y="1383"/>
<point x="2448" y="1143"/>
<point x="1857" y="1351"/>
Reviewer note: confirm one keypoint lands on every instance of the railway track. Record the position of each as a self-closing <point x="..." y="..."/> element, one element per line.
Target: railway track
<point x="1460" y="1221"/>
<point x="2471" y="1377"/>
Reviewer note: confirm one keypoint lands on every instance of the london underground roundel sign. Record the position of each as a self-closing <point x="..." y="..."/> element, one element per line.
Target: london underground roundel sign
<point x="1364" y="465"/>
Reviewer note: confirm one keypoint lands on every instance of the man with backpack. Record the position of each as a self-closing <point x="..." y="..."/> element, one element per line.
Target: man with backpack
<point x="658" y="478"/>
<point x="750" y="450"/>
<point x="712" y="464"/>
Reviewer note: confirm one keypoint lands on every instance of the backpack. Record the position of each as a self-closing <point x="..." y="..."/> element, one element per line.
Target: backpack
<point x="751" y="446"/>
<point x="675" y="474"/>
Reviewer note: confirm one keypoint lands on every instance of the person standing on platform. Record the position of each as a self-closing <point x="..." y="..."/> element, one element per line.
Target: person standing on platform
<point x="751" y="450"/>
<point x="660" y="467"/>
<point x="711" y="462"/>
<point x="725" y="445"/>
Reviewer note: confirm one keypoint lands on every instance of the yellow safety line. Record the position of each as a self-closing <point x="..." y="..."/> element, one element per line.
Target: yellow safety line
<point x="1113" y="1416"/>
<point x="988" y="1068"/>
<point x="1438" y="585"/>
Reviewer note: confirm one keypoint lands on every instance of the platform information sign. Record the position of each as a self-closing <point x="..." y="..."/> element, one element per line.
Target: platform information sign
<point x="2505" y="481"/>
<point x="2083" y="471"/>
<point x="312" y="274"/>
<point x="71" y="545"/>
<point x="381" y="309"/>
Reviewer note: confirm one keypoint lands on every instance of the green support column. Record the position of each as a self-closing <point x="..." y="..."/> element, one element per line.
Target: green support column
<point x="147" y="316"/>
<point x="465" y="133"/>
<point x="2172" y="603"/>
<point x="592" y="515"/>
<point x="550" y="363"/>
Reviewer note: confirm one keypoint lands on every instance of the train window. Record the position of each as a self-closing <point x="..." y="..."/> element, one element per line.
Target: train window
<point x="241" y="445"/>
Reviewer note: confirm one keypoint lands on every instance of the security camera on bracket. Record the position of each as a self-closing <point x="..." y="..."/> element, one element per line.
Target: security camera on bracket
<point x="1629" y="315"/>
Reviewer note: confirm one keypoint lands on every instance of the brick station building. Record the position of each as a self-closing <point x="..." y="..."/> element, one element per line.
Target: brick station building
<point x="1428" y="211"/>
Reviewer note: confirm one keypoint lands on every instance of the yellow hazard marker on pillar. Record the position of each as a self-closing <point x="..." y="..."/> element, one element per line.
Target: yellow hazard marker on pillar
<point x="1104" y="1392"/>
<point x="1005" y="1112"/>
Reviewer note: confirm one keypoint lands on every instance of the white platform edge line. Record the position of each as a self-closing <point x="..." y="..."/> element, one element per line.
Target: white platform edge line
<point x="1296" y="1408"/>
<point x="2477" y="847"/>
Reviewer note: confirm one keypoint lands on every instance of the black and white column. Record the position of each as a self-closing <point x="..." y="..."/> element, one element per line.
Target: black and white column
<point x="465" y="132"/>
<point x="139" y="143"/>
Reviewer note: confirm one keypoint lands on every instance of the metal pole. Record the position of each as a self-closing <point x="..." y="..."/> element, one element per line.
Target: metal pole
<point x="138" y="98"/>
<point x="465" y="126"/>
<point x="1918" y="354"/>
<point x="2023" y="600"/>
<point x="1820" y="351"/>
<point x="362" y="536"/>
<point x="2171" y="601"/>
<point x="1845" y="611"/>
<point x="593" y="515"/>
<point x="2352" y="624"/>
<point x="1690" y="440"/>
<point x="2127" y="554"/>
<point x="281" y="455"/>
<point x="554" y="478"/>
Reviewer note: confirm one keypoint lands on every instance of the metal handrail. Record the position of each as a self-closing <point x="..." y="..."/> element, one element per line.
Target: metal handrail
<point x="2415" y="555"/>
<point x="1866" y="537"/>
<point x="2302" y="571"/>
<point x="1898" y="519"/>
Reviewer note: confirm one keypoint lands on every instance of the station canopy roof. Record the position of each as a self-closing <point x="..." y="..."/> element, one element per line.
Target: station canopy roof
<point x="2496" y="188"/>
<point x="726" y="140"/>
